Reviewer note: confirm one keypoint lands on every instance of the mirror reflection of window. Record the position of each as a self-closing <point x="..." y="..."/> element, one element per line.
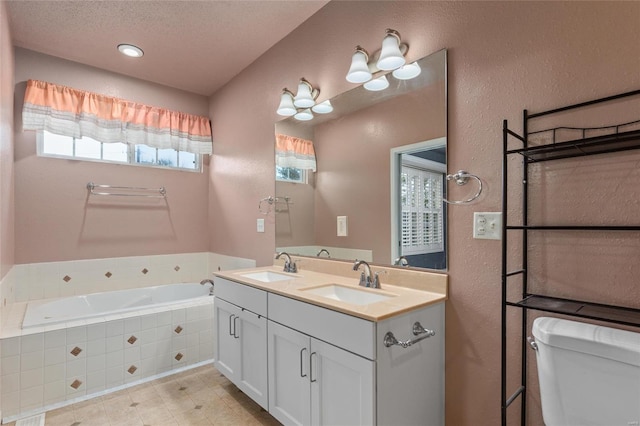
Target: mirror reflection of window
<point x="422" y="228"/>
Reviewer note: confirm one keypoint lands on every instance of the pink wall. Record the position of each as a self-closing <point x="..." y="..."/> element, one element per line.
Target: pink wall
<point x="503" y="57"/>
<point x="6" y="146"/>
<point x="54" y="218"/>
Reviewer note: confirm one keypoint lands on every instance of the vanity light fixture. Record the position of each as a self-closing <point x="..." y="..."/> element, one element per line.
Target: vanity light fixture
<point x="359" y="70"/>
<point x="389" y="58"/>
<point x="130" y="50"/>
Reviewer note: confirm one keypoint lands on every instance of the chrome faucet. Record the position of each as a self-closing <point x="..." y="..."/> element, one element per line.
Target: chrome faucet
<point x="401" y="261"/>
<point x="365" y="277"/>
<point x="289" y="265"/>
<point x="323" y="251"/>
<point x="208" y="281"/>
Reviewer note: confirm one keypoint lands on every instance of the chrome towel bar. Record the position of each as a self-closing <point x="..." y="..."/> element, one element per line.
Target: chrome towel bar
<point x="127" y="191"/>
<point x="418" y="330"/>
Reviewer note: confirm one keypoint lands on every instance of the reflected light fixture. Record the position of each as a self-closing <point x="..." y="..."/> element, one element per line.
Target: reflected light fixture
<point x="286" y="106"/>
<point x="323" y="107"/>
<point x="305" y="97"/>
<point x="408" y="71"/>
<point x="130" y="50"/>
<point x="359" y="70"/>
<point x="299" y="105"/>
<point x="391" y="57"/>
<point x="304" y="115"/>
<point x="377" y="84"/>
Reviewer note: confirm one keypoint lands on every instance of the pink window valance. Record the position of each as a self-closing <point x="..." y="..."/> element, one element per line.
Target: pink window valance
<point x="70" y="112"/>
<point x="295" y="152"/>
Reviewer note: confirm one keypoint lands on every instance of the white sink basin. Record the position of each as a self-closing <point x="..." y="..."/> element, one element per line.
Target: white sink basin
<point x="267" y="276"/>
<point x="354" y="296"/>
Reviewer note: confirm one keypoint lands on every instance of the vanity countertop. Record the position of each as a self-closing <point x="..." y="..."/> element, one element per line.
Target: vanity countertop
<point x="400" y="300"/>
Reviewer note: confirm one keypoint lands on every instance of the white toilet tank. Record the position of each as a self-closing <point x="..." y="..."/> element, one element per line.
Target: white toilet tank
<point x="589" y="375"/>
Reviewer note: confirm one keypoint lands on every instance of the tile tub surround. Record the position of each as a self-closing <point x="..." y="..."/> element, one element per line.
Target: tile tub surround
<point x="44" y="368"/>
<point x="47" y="280"/>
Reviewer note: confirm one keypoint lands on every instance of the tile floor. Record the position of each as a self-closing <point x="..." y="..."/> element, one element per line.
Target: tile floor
<point x="201" y="396"/>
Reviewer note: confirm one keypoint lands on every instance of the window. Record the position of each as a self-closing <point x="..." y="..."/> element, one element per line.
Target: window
<point x="422" y="211"/>
<point x="291" y="174"/>
<point x="52" y="145"/>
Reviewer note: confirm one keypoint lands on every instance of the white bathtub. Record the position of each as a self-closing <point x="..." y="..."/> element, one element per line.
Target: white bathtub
<point x="41" y="313"/>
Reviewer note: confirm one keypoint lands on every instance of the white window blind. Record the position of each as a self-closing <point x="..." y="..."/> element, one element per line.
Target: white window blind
<point x="422" y="213"/>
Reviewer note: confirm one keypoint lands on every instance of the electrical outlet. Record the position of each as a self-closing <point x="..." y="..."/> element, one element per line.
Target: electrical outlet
<point x="260" y="225"/>
<point x="487" y="225"/>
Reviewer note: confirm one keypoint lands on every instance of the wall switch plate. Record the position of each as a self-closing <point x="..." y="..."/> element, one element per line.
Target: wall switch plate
<point x="260" y="225"/>
<point x="342" y="226"/>
<point x="487" y="225"/>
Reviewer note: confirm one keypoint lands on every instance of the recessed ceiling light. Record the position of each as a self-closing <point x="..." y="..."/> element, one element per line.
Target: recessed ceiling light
<point x="130" y="50"/>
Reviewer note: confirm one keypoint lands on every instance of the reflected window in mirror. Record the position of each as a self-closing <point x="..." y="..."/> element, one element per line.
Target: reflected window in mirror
<point x="291" y="174"/>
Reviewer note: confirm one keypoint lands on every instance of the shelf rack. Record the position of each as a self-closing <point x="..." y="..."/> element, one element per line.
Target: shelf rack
<point x="614" y="141"/>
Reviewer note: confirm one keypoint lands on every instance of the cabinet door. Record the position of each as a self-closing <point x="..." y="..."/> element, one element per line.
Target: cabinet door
<point x="289" y="390"/>
<point x="251" y="333"/>
<point x="342" y="386"/>
<point x="227" y="350"/>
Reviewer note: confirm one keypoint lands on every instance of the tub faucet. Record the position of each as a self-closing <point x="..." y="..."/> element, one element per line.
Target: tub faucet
<point x="289" y="265"/>
<point x="323" y="251"/>
<point x="365" y="277"/>
<point x="208" y="281"/>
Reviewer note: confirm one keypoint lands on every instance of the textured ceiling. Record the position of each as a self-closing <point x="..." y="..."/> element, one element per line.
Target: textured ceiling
<point x="196" y="46"/>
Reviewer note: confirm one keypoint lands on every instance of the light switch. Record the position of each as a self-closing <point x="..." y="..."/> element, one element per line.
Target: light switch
<point x="487" y="225"/>
<point x="342" y="226"/>
<point x="260" y="225"/>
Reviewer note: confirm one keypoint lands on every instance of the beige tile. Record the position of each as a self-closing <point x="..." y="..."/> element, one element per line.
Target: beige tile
<point x="170" y="401"/>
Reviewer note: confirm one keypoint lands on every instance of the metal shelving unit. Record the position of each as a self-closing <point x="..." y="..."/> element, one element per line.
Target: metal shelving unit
<point x="614" y="140"/>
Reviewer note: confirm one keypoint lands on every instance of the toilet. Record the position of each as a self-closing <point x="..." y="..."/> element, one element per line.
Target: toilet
<point x="589" y="375"/>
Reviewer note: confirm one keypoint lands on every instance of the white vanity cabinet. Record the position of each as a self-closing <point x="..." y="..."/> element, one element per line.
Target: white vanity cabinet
<point x="310" y="365"/>
<point x="240" y="350"/>
<point x="315" y="383"/>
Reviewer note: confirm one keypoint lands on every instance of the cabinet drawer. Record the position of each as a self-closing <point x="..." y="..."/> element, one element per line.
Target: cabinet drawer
<point x="345" y="331"/>
<point x="244" y="296"/>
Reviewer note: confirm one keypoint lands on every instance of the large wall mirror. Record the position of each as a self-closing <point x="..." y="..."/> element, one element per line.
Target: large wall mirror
<point x="381" y="175"/>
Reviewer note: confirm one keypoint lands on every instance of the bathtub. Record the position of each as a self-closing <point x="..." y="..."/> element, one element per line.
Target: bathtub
<point x="43" y="313"/>
<point x="82" y="347"/>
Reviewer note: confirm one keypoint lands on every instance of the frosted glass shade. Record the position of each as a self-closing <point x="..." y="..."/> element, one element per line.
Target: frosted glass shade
<point x="377" y="84"/>
<point x="391" y="56"/>
<point x="407" y="72"/>
<point x="304" y="97"/>
<point x="324" y="107"/>
<point x="359" y="70"/>
<point x="304" y="115"/>
<point x="286" y="107"/>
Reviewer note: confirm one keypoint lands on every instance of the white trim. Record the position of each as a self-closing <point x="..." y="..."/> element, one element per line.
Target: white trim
<point x="395" y="155"/>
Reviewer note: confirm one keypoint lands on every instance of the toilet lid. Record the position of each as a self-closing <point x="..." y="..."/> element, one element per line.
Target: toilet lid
<point x="605" y="342"/>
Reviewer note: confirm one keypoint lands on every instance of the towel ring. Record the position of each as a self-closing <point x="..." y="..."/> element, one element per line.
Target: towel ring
<point x="461" y="178"/>
<point x="269" y="200"/>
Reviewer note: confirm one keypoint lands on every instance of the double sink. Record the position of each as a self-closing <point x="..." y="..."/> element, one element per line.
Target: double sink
<point x="352" y="295"/>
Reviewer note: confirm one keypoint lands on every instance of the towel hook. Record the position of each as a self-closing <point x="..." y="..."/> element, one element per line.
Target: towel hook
<point x="461" y="178"/>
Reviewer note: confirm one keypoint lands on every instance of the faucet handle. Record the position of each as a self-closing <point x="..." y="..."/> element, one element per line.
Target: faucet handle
<point x="293" y="267"/>
<point x="376" y="279"/>
<point x="363" y="280"/>
<point x="287" y="266"/>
